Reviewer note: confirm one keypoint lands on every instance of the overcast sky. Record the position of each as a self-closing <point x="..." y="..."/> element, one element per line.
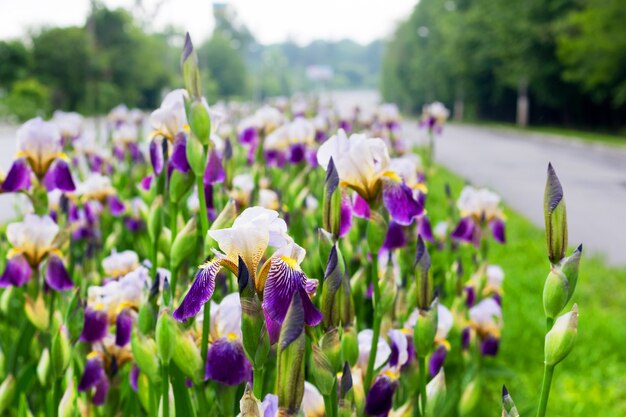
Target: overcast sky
<point x="269" y="20"/>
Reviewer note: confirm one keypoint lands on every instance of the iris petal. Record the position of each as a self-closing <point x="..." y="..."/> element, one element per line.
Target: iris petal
<point x="123" y="328"/>
<point x="200" y="292"/>
<point x="92" y="374"/>
<point x="380" y="396"/>
<point x="95" y="326"/>
<point x="227" y="363"/>
<point x="57" y="276"/>
<point x="59" y="177"/>
<point x="214" y="171"/>
<point x="17" y="272"/>
<point x="179" y="154"/>
<point x="465" y="230"/>
<point x="18" y="177"/>
<point x="400" y="202"/>
<point x="497" y="228"/>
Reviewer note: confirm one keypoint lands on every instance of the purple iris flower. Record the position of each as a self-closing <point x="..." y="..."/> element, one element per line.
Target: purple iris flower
<point x="18" y="178"/>
<point x="227" y="363"/>
<point x="17" y="272"/>
<point x="380" y="396"/>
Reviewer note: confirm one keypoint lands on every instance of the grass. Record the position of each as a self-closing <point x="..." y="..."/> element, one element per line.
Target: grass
<point x="591" y="381"/>
<point x="587" y="136"/>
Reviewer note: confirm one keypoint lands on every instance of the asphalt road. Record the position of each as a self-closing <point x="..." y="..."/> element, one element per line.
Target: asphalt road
<point x="513" y="164"/>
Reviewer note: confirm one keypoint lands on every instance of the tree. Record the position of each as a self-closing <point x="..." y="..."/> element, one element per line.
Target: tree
<point x="16" y="62"/>
<point x="225" y="65"/>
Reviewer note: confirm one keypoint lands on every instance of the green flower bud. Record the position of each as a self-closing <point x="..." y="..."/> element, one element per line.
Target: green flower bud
<point x="472" y="394"/>
<point x="291" y="347"/>
<point x="555" y="217"/>
<point x="332" y="200"/>
<point x="326" y="243"/>
<point x="436" y="395"/>
<point x="145" y="354"/>
<point x="376" y="232"/>
<point x="60" y="353"/>
<point x="555" y="293"/>
<point x="196" y="155"/>
<point x="350" y="345"/>
<point x="425" y="330"/>
<point x="185" y="243"/>
<point x="322" y="371"/>
<point x="43" y="367"/>
<point x="330" y="344"/>
<point x="388" y="290"/>
<point x="165" y="336"/>
<point x="561" y="338"/>
<point x="143" y="391"/>
<point x="7" y="391"/>
<point x="155" y="219"/>
<point x="329" y="304"/>
<point x="508" y="406"/>
<point x="191" y="72"/>
<point x="423" y="276"/>
<point x="74" y="316"/>
<point x="5" y="299"/>
<point x="200" y="121"/>
<point x="227" y="216"/>
<point x="569" y="267"/>
<point x="67" y="406"/>
<point x="146" y="319"/>
<point x="187" y="358"/>
<point x="180" y="184"/>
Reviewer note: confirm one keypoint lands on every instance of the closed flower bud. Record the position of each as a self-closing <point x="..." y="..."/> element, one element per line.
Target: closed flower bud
<point x="145" y="354"/>
<point x="200" y="121"/>
<point x="508" y="406"/>
<point x="43" y="368"/>
<point x="291" y="347"/>
<point x="196" y="155"/>
<point x="326" y="243"/>
<point x="180" y="184"/>
<point x="187" y="358"/>
<point x="329" y="304"/>
<point x="60" y="353"/>
<point x="184" y="243"/>
<point x="436" y="394"/>
<point x="165" y="335"/>
<point x="332" y="200"/>
<point x="191" y="72"/>
<point x="471" y="397"/>
<point x="555" y="217"/>
<point x="561" y="338"/>
<point x="350" y="345"/>
<point x="322" y="371"/>
<point x="555" y="293"/>
<point x="7" y="391"/>
<point x="155" y="219"/>
<point x="425" y="330"/>
<point x="146" y="318"/>
<point x="423" y="277"/>
<point x="330" y="343"/>
<point x="74" y="316"/>
<point x="376" y="232"/>
<point x="569" y="267"/>
<point x="67" y="406"/>
<point x="388" y="290"/>
<point x="5" y="299"/>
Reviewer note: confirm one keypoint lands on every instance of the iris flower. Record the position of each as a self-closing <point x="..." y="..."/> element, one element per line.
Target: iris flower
<point x="486" y="320"/>
<point x="479" y="207"/>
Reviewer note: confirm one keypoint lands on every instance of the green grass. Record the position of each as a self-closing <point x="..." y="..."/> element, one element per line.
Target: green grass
<point x="591" y="381"/>
<point x="587" y="136"/>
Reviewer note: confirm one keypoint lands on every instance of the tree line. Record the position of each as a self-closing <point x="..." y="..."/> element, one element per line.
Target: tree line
<point x="558" y="62"/>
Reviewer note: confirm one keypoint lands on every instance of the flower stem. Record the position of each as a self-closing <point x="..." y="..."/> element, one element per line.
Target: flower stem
<point x="206" y="328"/>
<point x="204" y="218"/>
<point x="174" y="232"/>
<point x="422" y="376"/>
<point x="259" y="375"/>
<point x="369" y="375"/>
<point x="548" y="371"/>
<point x="165" y="389"/>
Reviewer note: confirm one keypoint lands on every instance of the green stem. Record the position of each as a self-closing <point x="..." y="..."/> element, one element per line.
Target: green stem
<point x="174" y="232"/>
<point x="369" y="375"/>
<point x="259" y="376"/>
<point x="548" y="371"/>
<point x="333" y="401"/>
<point x="422" y="376"/>
<point x="165" y="393"/>
<point x="227" y="398"/>
<point x="204" y="218"/>
<point x="206" y="328"/>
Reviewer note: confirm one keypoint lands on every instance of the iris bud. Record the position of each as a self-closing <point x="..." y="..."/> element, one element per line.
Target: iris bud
<point x="330" y="343"/>
<point x="155" y="219"/>
<point x="569" y="267"/>
<point x="67" y="406"/>
<point x="7" y="391"/>
<point x="291" y="347"/>
<point x="74" y="316"/>
<point x="508" y="406"/>
<point x="165" y="335"/>
<point x="436" y="394"/>
<point x="180" y="184"/>
<point x="423" y="277"/>
<point x="146" y="318"/>
<point x="561" y="338"/>
<point x="332" y="282"/>
<point x="196" y="155"/>
<point x="471" y="397"/>
<point x="388" y="290"/>
<point x="5" y="299"/>
<point x="43" y="367"/>
<point x="184" y="243"/>
<point x="322" y="371"/>
<point x="555" y="217"/>
<point x="145" y="354"/>
<point x="191" y="72"/>
<point x="60" y="353"/>
<point x="425" y="330"/>
<point x="350" y="345"/>
<point x="200" y="121"/>
<point x="326" y="243"/>
<point x="187" y="358"/>
<point x="332" y="200"/>
<point x="555" y="293"/>
<point x="143" y="390"/>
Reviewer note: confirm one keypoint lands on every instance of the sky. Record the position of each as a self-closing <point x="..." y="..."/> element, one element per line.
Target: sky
<point x="269" y="20"/>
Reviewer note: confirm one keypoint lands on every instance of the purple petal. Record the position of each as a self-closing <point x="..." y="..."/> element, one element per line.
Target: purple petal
<point x="102" y="389"/>
<point x="270" y="405"/>
<point x="116" y="206"/>
<point x="465" y="230"/>
<point x="399" y="201"/>
<point x="95" y="327"/>
<point x="214" y="171"/>
<point x="227" y="363"/>
<point x="133" y="377"/>
<point x="133" y="225"/>
<point x="311" y="157"/>
<point x="470" y="296"/>
<point x="156" y="156"/>
<point x="123" y="328"/>
<point x="275" y="158"/>
<point x="17" y="272"/>
<point x="345" y="215"/>
<point x="312" y="316"/>
<point x="179" y="154"/>
<point x="92" y="374"/>
<point x="436" y="360"/>
<point x="394" y="238"/>
<point x="200" y="292"/>
<point x="57" y="276"/>
<point x="248" y="135"/>
<point x="489" y="346"/>
<point x="424" y="229"/>
<point x="297" y="153"/>
<point x="466" y="335"/>
<point x="380" y="396"/>
<point x="361" y="208"/>
<point x="59" y="177"/>
<point x="273" y="328"/>
<point x="146" y="182"/>
<point x="18" y="177"/>
<point x="497" y="228"/>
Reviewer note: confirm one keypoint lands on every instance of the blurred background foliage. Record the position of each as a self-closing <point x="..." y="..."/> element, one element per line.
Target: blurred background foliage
<point x="567" y="58"/>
